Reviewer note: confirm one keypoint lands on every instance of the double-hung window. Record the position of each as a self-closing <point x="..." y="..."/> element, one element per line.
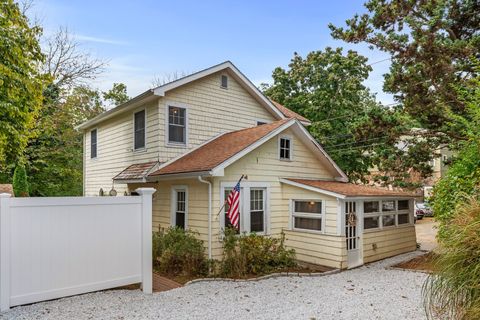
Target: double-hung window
<point x="285" y="148"/>
<point x="179" y="207"/>
<point x="93" y="143"/>
<point x="139" y="130"/>
<point x="177" y="125"/>
<point x="307" y="215"/>
<point x="253" y="209"/>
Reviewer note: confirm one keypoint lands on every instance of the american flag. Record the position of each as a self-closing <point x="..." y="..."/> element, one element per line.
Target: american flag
<point x="233" y="201"/>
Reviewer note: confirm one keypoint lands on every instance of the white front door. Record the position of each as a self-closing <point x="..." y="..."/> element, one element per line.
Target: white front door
<point x="353" y="235"/>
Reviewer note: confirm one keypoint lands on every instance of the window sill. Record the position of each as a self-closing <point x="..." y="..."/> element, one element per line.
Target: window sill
<point x="140" y="150"/>
<point x="307" y="231"/>
<point x="176" y="145"/>
<point x="285" y="160"/>
<point x="402" y="226"/>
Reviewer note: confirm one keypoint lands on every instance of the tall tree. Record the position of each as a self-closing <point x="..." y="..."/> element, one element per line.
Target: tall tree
<point x="21" y="84"/>
<point x="431" y="45"/>
<point x="117" y="95"/>
<point x="55" y="161"/>
<point x="327" y="88"/>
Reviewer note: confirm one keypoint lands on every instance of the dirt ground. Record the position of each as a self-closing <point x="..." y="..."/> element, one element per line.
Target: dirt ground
<point x="426" y="231"/>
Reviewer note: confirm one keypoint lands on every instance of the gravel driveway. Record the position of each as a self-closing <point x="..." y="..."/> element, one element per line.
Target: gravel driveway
<point x="369" y="292"/>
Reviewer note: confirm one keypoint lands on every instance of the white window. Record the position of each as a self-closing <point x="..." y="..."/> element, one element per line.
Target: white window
<point x="257" y="210"/>
<point x="307" y="215"/>
<point x="177" y="125"/>
<point x="253" y="208"/>
<point x="385" y="213"/>
<point x="285" y="148"/>
<point x="224" y="81"/>
<point x="93" y="143"/>
<point x="139" y="124"/>
<point x="180" y="207"/>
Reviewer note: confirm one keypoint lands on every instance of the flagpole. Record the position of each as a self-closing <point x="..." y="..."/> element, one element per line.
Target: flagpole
<point x="225" y="202"/>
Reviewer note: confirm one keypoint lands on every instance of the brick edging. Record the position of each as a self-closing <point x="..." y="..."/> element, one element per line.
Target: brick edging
<point x="409" y="270"/>
<point x="268" y="276"/>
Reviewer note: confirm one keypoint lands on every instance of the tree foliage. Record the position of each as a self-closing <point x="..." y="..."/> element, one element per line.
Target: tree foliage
<point x="20" y="182"/>
<point x="21" y="84"/>
<point x="327" y="88"/>
<point x="462" y="180"/>
<point x="117" y="95"/>
<point x="431" y="45"/>
<point x="54" y="157"/>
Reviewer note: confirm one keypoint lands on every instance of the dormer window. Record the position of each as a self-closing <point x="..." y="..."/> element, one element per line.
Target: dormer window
<point x="224" y="82"/>
<point x="285" y="148"/>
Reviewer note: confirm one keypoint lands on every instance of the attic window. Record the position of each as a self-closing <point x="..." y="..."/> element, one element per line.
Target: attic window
<point x="285" y="148"/>
<point x="224" y="82"/>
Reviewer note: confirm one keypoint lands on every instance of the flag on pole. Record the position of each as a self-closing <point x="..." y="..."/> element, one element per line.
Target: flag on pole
<point x="233" y="201"/>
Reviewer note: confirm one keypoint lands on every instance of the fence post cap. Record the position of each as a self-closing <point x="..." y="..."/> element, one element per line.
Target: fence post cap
<point x="145" y="191"/>
<point x="5" y="195"/>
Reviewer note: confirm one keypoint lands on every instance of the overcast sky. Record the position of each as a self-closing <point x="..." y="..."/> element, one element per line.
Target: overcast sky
<point x="147" y="39"/>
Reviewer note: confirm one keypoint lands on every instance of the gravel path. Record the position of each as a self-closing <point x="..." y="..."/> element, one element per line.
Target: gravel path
<point x="369" y="292"/>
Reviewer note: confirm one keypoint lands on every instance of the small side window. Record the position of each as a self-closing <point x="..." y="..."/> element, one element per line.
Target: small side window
<point x="224" y="82"/>
<point x="93" y="143"/>
<point x="285" y="146"/>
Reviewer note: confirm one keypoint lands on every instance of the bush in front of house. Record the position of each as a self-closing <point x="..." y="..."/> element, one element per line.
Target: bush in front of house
<point x="253" y="254"/>
<point x="453" y="290"/>
<point x="179" y="253"/>
<point x="20" y="183"/>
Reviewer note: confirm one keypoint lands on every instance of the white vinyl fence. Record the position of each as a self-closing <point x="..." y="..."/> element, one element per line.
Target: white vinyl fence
<point x="57" y="247"/>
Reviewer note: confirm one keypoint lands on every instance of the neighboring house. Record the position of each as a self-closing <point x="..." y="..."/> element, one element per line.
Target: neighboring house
<point x="192" y="139"/>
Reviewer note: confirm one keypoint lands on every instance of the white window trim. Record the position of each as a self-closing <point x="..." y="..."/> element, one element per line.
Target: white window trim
<point x="173" y="204"/>
<point x="96" y="147"/>
<point x="287" y="137"/>
<point x="293" y="214"/>
<point x="382" y="213"/>
<point x="178" y="105"/>
<point x="228" y="81"/>
<point x="144" y="148"/>
<point x="245" y="204"/>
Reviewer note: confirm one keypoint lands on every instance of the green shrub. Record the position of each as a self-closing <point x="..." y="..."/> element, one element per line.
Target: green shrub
<point x="20" y="183"/>
<point x="254" y="255"/>
<point x="461" y="182"/>
<point x="179" y="252"/>
<point x="453" y="290"/>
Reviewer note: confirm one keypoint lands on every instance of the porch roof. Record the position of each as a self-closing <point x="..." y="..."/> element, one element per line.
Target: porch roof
<point x="136" y="171"/>
<point x="347" y="190"/>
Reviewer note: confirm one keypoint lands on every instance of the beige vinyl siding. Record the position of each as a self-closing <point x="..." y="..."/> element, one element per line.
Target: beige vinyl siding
<point x="211" y="111"/>
<point x="389" y="242"/>
<point x="263" y="166"/>
<point x="322" y="249"/>
<point x="115" y="149"/>
<point x="197" y="205"/>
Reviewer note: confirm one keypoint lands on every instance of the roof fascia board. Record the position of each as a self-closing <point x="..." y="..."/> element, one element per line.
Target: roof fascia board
<point x="310" y="188"/>
<point x="130" y="104"/>
<point x="238" y="75"/>
<point x="126" y="181"/>
<point x="181" y="175"/>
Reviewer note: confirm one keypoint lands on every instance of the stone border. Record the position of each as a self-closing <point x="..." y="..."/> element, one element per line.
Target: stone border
<point x="268" y="276"/>
<point x="410" y="270"/>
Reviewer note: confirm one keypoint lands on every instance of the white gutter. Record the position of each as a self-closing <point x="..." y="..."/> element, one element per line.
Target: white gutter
<point x="209" y="215"/>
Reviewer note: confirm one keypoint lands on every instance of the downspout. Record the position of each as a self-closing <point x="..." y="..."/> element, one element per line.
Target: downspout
<point x="209" y="215"/>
